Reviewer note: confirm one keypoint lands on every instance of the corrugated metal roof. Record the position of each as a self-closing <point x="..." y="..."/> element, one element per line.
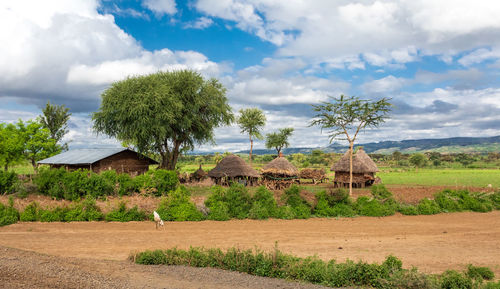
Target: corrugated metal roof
<point x="81" y="156"/>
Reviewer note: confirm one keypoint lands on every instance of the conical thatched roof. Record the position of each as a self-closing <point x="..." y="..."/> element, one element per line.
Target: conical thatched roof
<point x="199" y="173"/>
<point x="280" y="166"/>
<point x="361" y="163"/>
<point x="233" y="166"/>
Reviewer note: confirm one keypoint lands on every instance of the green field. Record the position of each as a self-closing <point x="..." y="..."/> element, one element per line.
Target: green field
<point x="443" y="177"/>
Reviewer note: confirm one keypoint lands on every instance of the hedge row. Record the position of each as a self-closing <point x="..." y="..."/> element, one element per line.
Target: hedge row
<point x="389" y="274"/>
<point x="73" y="185"/>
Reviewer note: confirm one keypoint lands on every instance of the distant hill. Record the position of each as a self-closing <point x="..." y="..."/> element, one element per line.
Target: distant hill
<point x="444" y="145"/>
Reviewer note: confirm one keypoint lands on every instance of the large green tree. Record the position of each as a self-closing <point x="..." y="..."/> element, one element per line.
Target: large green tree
<point x="345" y="117"/>
<point x="418" y="160"/>
<point x="251" y="121"/>
<point x="11" y="145"/>
<point x="279" y="140"/>
<point x="38" y="142"/>
<point x="165" y="113"/>
<point x="55" y="119"/>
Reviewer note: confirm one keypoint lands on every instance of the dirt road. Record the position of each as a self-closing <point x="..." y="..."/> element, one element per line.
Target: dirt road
<point x="432" y="243"/>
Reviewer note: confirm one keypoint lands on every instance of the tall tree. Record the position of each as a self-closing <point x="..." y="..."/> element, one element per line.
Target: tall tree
<point x="251" y="121"/>
<point x="38" y="142"/>
<point x="279" y="140"/>
<point x="165" y="113"/>
<point x="11" y="145"/>
<point x="345" y="117"/>
<point x="55" y="119"/>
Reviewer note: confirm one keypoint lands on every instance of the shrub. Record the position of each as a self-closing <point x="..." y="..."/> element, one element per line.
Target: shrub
<point x="163" y="181"/>
<point x="456" y="201"/>
<point x="7" y="181"/>
<point x="218" y="211"/>
<point x="428" y="207"/>
<point x="122" y="214"/>
<point x="453" y="280"/>
<point x="151" y="258"/>
<point x="408" y="210"/>
<point x="380" y="192"/>
<point x="479" y="273"/>
<point x="85" y="210"/>
<point x="110" y="175"/>
<point x="8" y="214"/>
<point x="263" y="204"/>
<point x="342" y="210"/>
<point x="495" y="199"/>
<point x="236" y="198"/>
<point x="56" y="215"/>
<point x="300" y="207"/>
<point x="30" y="213"/>
<point x="47" y="179"/>
<point x="285" y="212"/>
<point x="178" y="207"/>
<point x="374" y="208"/>
<point x="338" y="196"/>
<point x="126" y="185"/>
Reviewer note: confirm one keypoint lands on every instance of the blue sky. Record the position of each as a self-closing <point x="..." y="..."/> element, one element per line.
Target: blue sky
<point x="439" y="61"/>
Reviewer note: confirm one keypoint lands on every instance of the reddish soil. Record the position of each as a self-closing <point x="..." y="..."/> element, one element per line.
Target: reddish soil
<point x="431" y="243"/>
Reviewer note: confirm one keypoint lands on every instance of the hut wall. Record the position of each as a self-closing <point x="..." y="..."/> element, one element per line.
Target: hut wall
<point x="359" y="180"/>
<point x="124" y="162"/>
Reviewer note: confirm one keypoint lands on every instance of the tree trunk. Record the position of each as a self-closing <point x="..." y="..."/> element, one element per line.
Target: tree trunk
<point x="351" y="144"/>
<point x="251" y="147"/>
<point x="6" y="167"/>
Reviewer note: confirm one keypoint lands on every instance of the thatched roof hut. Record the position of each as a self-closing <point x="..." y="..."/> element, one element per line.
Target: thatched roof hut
<point x="280" y="166"/>
<point x="233" y="168"/>
<point x="361" y="163"/>
<point x="363" y="170"/>
<point x="279" y="173"/>
<point x="199" y="174"/>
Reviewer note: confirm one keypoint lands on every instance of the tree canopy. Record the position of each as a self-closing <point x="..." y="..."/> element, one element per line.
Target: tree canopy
<point x="345" y="117"/>
<point x="11" y="145"/>
<point x="251" y="121"/>
<point x="164" y="113"/>
<point x="55" y="119"/>
<point x="279" y="140"/>
<point x="38" y="143"/>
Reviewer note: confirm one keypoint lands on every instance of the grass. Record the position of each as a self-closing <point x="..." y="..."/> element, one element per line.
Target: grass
<point x="443" y="177"/>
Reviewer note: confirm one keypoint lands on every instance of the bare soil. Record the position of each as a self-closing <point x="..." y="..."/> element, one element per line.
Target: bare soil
<point x="431" y="243"/>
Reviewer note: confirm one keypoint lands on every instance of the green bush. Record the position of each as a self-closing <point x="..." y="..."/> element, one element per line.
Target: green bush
<point x="110" y="175"/>
<point x="374" y="208"/>
<point x="85" y="210"/>
<point x="263" y="204"/>
<point x="163" y="181"/>
<point x="236" y="198"/>
<point x="30" y="213"/>
<point x="177" y="206"/>
<point x="495" y="200"/>
<point x="408" y="210"/>
<point x="126" y="185"/>
<point x="285" y="212"/>
<point x="122" y="214"/>
<point x="300" y="206"/>
<point x="380" y="192"/>
<point x="331" y="205"/>
<point x="49" y="182"/>
<point x="453" y="280"/>
<point x="456" y="201"/>
<point x="7" y="181"/>
<point x="428" y="207"/>
<point x="218" y="211"/>
<point x="8" y="214"/>
<point x="342" y="210"/>
<point x="56" y="215"/>
<point x="479" y="273"/>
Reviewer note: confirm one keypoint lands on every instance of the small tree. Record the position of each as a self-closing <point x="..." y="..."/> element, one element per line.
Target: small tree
<point x="418" y="160"/>
<point x="278" y="140"/>
<point x="347" y="116"/>
<point x="38" y="143"/>
<point x="251" y="121"/>
<point x="165" y="113"/>
<point x="11" y="145"/>
<point x="55" y="119"/>
<point x="464" y="159"/>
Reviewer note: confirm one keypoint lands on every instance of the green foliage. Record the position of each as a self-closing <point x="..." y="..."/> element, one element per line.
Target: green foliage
<point x="56" y="215"/>
<point x="30" y="213"/>
<point x="38" y="144"/>
<point x="460" y="200"/>
<point x="380" y="192"/>
<point x="495" y="199"/>
<point x="278" y="140"/>
<point x="11" y="144"/>
<point x="163" y="181"/>
<point x="373" y="207"/>
<point x="428" y="207"/>
<point x="285" y="212"/>
<point x="122" y="214"/>
<point x="55" y="119"/>
<point x="85" y="210"/>
<point x="299" y="205"/>
<point x="236" y="199"/>
<point x="264" y="205"/>
<point x="418" y="160"/>
<point x="133" y="111"/>
<point x="178" y="207"/>
<point x="8" y="214"/>
<point x="453" y="280"/>
<point x="408" y="210"/>
<point x="335" y="203"/>
<point x="126" y="185"/>
<point x="251" y="121"/>
<point x="7" y="181"/>
<point x="479" y="273"/>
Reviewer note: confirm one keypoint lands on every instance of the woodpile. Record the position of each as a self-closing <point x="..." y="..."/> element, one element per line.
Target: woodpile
<point x="316" y="175"/>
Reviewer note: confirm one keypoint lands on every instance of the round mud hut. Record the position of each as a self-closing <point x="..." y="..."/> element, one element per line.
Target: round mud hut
<point x="363" y="170"/>
<point x="199" y="175"/>
<point x="279" y="174"/>
<point x="233" y="169"/>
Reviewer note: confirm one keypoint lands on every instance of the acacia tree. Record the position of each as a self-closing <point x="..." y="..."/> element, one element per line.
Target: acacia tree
<point x="166" y="113"/>
<point x="11" y="144"/>
<point x="345" y="117"/>
<point x="55" y="119"/>
<point x="251" y="121"/>
<point x="279" y="140"/>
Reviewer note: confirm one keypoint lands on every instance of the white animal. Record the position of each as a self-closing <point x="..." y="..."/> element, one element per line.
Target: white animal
<point x="158" y="220"/>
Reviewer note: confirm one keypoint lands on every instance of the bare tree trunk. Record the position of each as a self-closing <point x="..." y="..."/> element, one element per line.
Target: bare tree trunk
<point x="351" y="144"/>
<point x="251" y="147"/>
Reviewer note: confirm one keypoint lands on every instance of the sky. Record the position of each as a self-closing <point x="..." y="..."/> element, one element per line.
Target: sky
<point x="438" y="61"/>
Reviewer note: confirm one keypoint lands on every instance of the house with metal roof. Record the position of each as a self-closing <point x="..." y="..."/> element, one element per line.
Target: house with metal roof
<point x="122" y="160"/>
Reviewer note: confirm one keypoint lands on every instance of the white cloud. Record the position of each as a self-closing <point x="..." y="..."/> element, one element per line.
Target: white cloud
<point x="161" y="7"/>
<point x="200" y="23"/>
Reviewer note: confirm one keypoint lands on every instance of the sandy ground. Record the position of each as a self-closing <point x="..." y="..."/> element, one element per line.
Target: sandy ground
<point x="431" y="243"/>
